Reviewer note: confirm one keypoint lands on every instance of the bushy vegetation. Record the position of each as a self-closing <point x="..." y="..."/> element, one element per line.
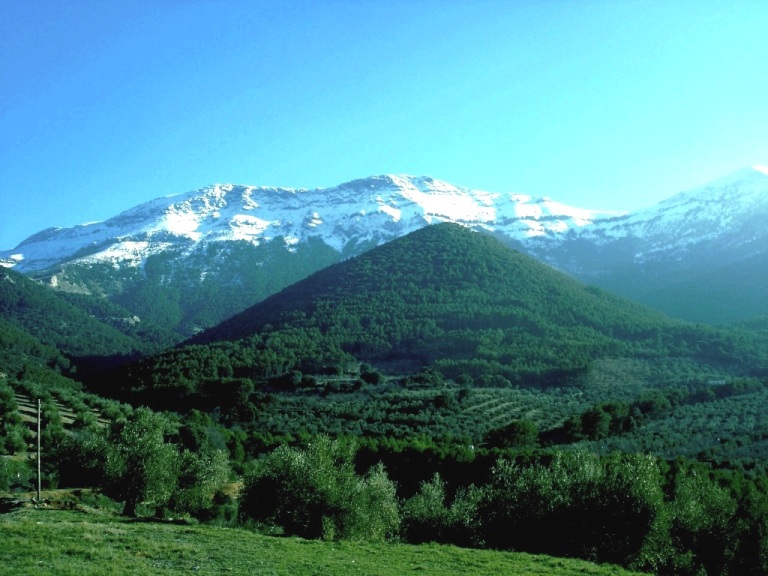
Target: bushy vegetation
<point x="140" y="466"/>
<point x="431" y="515"/>
<point x="15" y="475"/>
<point x="13" y="434"/>
<point x="669" y="517"/>
<point x="140" y="460"/>
<point x="316" y="493"/>
<point x="627" y="509"/>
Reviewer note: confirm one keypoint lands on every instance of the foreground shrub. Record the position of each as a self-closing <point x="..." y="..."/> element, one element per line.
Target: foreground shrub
<point x="701" y="526"/>
<point x="140" y="466"/>
<point x="579" y="505"/>
<point x="428" y="517"/>
<point x="316" y="493"/>
<point x="15" y="475"/>
<point x="13" y="433"/>
<point x="201" y="476"/>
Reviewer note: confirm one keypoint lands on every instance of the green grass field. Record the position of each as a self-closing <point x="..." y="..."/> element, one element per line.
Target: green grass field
<point x="95" y="541"/>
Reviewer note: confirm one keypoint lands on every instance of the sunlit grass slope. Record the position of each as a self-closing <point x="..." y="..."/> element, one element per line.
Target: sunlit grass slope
<point x="81" y="543"/>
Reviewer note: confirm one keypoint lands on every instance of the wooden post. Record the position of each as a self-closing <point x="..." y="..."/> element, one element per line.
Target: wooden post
<point x="39" y="479"/>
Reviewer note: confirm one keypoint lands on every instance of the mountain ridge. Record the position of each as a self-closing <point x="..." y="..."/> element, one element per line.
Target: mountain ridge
<point x="396" y="204"/>
<point x="252" y="241"/>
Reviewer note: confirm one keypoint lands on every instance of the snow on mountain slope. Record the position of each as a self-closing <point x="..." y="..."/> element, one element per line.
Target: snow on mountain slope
<point x="375" y="209"/>
<point x="731" y="210"/>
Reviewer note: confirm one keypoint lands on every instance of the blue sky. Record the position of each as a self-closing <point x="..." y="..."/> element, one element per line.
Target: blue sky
<point x="611" y="104"/>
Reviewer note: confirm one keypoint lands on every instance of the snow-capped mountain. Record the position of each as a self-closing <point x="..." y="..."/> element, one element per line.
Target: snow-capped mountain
<point x="192" y="259"/>
<point x="730" y="209"/>
<point x="701" y="254"/>
<point x="359" y="213"/>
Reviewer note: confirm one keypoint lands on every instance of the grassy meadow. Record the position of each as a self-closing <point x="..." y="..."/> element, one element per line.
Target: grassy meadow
<point x="96" y="541"/>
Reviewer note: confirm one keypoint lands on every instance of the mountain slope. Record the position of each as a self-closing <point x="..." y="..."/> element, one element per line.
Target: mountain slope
<point x="40" y="312"/>
<point x="725" y="214"/>
<point x="696" y="255"/>
<point x="24" y="357"/>
<point x="432" y="289"/>
<point x="450" y="296"/>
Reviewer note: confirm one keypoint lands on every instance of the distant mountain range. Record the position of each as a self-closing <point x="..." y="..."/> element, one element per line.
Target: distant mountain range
<point x="187" y="262"/>
<point x="347" y="218"/>
<point x="701" y="255"/>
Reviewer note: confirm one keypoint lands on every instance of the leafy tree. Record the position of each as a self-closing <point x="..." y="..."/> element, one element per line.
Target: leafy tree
<point x="12" y="431"/>
<point x="750" y="533"/>
<point x="15" y="475"/>
<point x="315" y="492"/>
<point x="140" y="465"/>
<point x="369" y="375"/>
<point x="201" y="476"/>
<point x="193" y="432"/>
<point x="517" y="434"/>
<point x="595" y="423"/>
<point x="79" y="460"/>
<point x="428" y="516"/>
<point x="577" y="505"/>
<point x="701" y="530"/>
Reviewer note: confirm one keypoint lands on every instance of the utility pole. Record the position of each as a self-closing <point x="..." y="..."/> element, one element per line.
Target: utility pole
<point x="39" y="479"/>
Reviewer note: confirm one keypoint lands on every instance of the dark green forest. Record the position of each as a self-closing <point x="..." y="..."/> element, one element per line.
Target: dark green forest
<point x="52" y="320"/>
<point x="441" y="387"/>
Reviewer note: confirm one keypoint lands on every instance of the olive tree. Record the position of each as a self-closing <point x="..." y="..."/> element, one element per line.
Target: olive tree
<point x="140" y="465"/>
<point x="201" y="476"/>
<point x="316" y="493"/>
<point x="606" y="509"/>
<point x="430" y="516"/>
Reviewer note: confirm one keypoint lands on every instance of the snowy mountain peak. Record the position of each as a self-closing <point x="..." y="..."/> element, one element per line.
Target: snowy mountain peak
<point x="370" y="210"/>
<point x="730" y="206"/>
<point x="237" y="244"/>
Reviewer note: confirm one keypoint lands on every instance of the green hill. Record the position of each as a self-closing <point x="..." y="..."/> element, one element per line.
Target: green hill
<point x="24" y="356"/>
<point x="462" y="302"/>
<point x="443" y="303"/>
<point x="178" y="291"/>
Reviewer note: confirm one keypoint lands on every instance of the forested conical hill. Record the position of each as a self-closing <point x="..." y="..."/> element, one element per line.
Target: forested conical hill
<point x="460" y="301"/>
